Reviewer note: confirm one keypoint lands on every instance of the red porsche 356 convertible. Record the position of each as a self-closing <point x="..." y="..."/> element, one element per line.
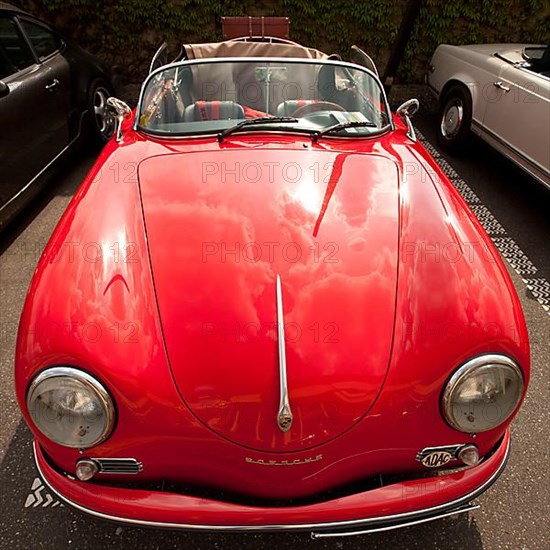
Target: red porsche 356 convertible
<point x="267" y="308"/>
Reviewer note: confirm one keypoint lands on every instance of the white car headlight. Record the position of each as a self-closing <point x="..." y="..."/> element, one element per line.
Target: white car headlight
<point x="482" y="393"/>
<point x="70" y="407"/>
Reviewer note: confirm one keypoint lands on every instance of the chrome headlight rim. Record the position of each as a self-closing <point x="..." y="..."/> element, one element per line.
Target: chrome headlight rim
<point x="466" y="370"/>
<point x="91" y="383"/>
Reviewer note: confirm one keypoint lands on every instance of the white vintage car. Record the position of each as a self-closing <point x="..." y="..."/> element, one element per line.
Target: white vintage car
<point x="500" y="92"/>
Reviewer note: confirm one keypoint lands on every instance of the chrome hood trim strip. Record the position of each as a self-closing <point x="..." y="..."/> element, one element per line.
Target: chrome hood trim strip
<point x="284" y="416"/>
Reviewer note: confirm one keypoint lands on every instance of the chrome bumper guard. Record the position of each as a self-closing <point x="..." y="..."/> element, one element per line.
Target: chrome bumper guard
<point x="321" y="530"/>
<point x="406" y="523"/>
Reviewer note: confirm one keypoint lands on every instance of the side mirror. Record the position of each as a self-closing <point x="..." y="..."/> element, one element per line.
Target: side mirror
<point x="4" y="89"/>
<point x="409" y="108"/>
<point x="121" y="111"/>
<point x="406" y="111"/>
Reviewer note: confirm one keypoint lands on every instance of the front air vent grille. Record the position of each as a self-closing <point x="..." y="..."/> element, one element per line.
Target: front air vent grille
<point x="118" y="465"/>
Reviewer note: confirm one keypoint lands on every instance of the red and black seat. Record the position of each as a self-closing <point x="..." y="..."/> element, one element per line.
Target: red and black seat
<point x="213" y="110"/>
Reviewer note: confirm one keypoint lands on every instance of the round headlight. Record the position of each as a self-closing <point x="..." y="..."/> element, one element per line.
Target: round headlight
<point x="483" y="393"/>
<point x="70" y="407"/>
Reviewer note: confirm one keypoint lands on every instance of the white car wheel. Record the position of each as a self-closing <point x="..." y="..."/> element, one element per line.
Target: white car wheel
<point x="455" y="118"/>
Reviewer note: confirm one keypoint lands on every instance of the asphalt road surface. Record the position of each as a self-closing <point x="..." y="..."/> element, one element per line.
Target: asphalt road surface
<point x="514" y="513"/>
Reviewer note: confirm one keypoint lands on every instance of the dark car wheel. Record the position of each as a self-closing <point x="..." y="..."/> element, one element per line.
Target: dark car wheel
<point x="102" y="120"/>
<point x="455" y="119"/>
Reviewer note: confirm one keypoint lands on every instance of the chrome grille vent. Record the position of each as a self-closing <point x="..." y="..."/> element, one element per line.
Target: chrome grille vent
<point x="118" y="465"/>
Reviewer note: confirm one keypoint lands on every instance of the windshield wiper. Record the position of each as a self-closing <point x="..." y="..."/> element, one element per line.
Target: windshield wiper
<point x="252" y="121"/>
<point x="343" y="126"/>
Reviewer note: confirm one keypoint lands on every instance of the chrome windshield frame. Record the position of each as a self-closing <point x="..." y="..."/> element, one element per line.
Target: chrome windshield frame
<point x="190" y="62"/>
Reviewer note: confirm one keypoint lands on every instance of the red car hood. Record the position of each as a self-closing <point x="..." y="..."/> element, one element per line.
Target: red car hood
<point x="220" y="227"/>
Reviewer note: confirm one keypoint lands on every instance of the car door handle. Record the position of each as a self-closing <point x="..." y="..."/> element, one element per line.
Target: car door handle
<point x="499" y="84"/>
<point x="52" y="85"/>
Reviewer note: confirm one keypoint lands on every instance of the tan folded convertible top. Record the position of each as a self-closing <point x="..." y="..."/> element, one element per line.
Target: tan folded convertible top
<point x="235" y="48"/>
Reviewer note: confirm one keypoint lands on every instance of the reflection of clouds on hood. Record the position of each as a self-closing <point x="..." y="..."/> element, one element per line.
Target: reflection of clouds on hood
<point x="446" y="302"/>
<point x="107" y="312"/>
<point x="367" y="187"/>
<point x="353" y="305"/>
<point x="217" y="244"/>
<point x="351" y="205"/>
<point x="212" y="260"/>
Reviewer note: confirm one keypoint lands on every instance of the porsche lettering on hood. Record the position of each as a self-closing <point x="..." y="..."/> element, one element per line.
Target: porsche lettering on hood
<point x="220" y="228"/>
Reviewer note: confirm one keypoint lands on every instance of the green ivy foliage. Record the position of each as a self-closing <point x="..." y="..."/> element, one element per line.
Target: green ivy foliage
<point x="127" y="32"/>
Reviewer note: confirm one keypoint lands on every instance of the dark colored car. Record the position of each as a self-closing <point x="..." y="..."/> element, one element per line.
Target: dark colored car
<point x="52" y="93"/>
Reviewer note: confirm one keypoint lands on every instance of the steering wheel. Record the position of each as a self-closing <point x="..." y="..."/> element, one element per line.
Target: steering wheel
<point x="317" y="106"/>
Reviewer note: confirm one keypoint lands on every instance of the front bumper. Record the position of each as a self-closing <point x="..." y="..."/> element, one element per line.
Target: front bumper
<point x="389" y="507"/>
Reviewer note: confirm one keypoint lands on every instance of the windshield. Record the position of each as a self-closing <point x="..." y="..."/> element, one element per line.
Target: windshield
<point x="210" y="96"/>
